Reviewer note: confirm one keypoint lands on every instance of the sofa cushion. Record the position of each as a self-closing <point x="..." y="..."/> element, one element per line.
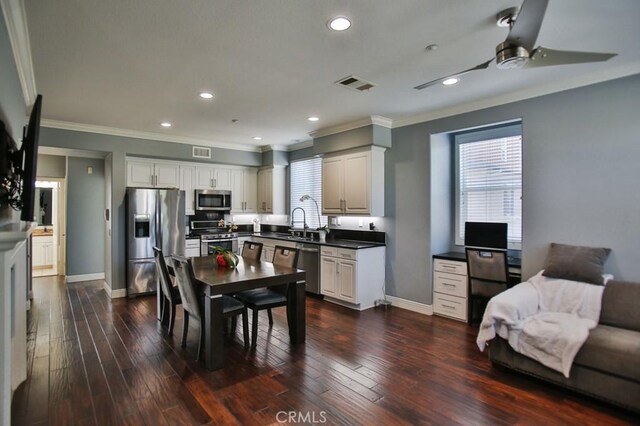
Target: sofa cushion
<point x="612" y="350"/>
<point x="576" y="263"/>
<point x="620" y="305"/>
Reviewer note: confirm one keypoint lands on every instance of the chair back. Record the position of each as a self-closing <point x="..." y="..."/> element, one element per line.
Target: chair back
<point x="285" y="256"/>
<point x="186" y="285"/>
<point x="162" y="271"/>
<point x="487" y="270"/>
<point x="252" y="250"/>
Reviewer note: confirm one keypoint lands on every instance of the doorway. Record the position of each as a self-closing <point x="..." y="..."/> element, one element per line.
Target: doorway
<point x="48" y="237"/>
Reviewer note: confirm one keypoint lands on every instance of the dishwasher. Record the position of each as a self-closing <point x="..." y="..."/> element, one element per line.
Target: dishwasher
<point x="309" y="261"/>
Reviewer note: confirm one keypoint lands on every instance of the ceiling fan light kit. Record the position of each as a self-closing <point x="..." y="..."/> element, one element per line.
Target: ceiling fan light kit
<point x="510" y="56"/>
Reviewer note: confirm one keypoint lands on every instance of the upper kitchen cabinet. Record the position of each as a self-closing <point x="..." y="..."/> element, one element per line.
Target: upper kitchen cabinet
<point x="152" y="174"/>
<point x="244" y="191"/>
<point x="208" y="177"/>
<point x="187" y="178"/>
<point x="271" y="190"/>
<point x="353" y="183"/>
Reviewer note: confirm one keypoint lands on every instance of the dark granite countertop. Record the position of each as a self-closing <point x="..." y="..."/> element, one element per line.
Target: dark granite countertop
<point x="341" y="243"/>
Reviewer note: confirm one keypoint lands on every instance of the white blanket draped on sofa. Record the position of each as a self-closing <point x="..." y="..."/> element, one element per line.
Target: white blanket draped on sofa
<point x="546" y="319"/>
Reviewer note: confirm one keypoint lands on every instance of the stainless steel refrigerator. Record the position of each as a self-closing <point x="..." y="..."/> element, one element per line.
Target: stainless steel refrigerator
<point x="155" y="218"/>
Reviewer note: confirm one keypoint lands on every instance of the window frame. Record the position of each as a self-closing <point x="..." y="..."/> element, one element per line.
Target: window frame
<point x="311" y="213"/>
<point x="478" y="135"/>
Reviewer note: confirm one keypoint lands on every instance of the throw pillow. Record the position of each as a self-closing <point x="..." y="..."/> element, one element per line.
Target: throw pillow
<point x="576" y="263"/>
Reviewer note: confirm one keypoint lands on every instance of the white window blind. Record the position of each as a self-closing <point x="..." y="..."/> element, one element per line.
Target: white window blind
<point x="306" y="179"/>
<point x="489" y="184"/>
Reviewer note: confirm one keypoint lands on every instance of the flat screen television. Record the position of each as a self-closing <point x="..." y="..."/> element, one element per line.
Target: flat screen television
<point x="485" y="234"/>
<point x="29" y="165"/>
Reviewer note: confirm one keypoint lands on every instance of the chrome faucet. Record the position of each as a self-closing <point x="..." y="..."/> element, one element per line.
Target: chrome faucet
<point x="304" y="220"/>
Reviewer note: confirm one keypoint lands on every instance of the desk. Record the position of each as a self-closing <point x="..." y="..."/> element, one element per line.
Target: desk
<point x="249" y="274"/>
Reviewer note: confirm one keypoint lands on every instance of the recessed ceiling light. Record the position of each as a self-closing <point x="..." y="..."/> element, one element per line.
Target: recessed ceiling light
<point x="450" y="81"/>
<point x="257" y="138"/>
<point x="165" y="124"/>
<point x="206" y="95"/>
<point x="339" y="23"/>
<point x="313" y="119"/>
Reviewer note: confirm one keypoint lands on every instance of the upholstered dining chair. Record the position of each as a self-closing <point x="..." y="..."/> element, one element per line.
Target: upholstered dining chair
<point x="268" y="298"/>
<point x="171" y="295"/>
<point x="193" y="304"/>
<point x="488" y="275"/>
<point x="252" y="250"/>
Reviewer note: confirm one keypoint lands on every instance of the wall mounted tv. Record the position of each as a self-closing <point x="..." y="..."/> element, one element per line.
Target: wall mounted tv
<point x="18" y="167"/>
<point x="485" y="234"/>
<point x="30" y="161"/>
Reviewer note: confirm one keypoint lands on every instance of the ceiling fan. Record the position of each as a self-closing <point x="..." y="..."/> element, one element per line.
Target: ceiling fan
<point x="518" y="51"/>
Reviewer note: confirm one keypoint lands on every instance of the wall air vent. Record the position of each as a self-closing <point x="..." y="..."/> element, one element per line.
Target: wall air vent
<point x="201" y="152"/>
<point x="355" y="83"/>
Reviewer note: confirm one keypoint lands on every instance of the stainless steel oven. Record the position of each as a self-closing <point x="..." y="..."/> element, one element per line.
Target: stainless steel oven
<point x="210" y="199"/>
<point x="226" y="241"/>
<point x="211" y="235"/>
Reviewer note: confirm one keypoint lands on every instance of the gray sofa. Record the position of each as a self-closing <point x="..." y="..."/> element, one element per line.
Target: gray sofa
<point x="607" y="366"/>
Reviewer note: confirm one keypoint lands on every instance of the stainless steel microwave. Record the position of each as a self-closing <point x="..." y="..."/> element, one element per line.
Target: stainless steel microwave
<point x="211" y="199"/>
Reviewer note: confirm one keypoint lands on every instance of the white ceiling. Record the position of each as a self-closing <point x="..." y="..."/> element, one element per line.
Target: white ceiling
<point x="272" y="63"/>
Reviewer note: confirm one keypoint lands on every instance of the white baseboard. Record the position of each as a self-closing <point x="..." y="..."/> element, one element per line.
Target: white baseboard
<point x="410" y="305"/>
<point x="114" y="294"/>
<point x="85" y="277"/>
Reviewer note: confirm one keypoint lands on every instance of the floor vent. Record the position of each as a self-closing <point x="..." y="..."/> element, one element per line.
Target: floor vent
<point x="201" y="152"/>
<point x="355" y="83"/>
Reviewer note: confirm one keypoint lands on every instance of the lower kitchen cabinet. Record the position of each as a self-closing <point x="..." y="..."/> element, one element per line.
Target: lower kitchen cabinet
<point x="352" y="276"/>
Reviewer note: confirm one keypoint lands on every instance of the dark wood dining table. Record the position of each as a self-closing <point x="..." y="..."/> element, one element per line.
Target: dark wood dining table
<point x="216" y="281"/>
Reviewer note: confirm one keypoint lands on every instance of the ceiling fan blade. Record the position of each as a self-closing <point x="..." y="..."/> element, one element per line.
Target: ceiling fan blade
<point x="482" y="66"/>
<point x="525" y="29"/>
<point x="543" y="57"/>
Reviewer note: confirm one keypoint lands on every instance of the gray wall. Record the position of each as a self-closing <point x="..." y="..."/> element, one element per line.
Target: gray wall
<point x="580" y="161"/>
<point x="12" y="107"/>
<point x="51" y="166"/>
<point x="119" y="148"/>
<point x="85" y="220"/>
<point x="355" y="138"/>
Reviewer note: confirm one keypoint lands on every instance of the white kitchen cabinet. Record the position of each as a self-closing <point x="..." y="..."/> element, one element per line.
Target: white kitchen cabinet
<point x="208" y="177"/>
<point x="268" y="247"/>
<point x="153" y="174"/>
<point x="192" y="247"/>
<point x="271" y="190"/>
<point x="353" y="183"/>
<point x="354" y="278"/>
<point x="187" y="176"/>
<point x="244" y="190"/>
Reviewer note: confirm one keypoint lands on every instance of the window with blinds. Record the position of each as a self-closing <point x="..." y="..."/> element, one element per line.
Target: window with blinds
<point x="306" y="179"/>
<point x="489" y="180"/>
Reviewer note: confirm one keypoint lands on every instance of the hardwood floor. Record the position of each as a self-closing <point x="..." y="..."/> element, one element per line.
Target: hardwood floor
<point x="92" y="360"/>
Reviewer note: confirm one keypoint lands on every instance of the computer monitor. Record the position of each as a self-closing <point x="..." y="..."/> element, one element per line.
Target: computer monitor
<point x="485" y="234"/>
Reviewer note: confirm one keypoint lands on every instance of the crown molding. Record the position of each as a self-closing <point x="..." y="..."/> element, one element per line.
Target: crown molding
<point x="546" y="89"/>
<point x="267" y="148"/>
<point x="374" y="119"/>
<point x="300" y="145"/>
<point x="112" y="131"/>
<point x="16" y="19"/>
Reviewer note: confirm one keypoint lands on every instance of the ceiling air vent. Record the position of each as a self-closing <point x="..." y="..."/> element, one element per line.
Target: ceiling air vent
<point x="355" y="83"/>
<point x="201" y="152"/>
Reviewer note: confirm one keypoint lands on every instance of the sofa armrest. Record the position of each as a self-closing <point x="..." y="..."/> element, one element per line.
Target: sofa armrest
<point x="620" y="305"/>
